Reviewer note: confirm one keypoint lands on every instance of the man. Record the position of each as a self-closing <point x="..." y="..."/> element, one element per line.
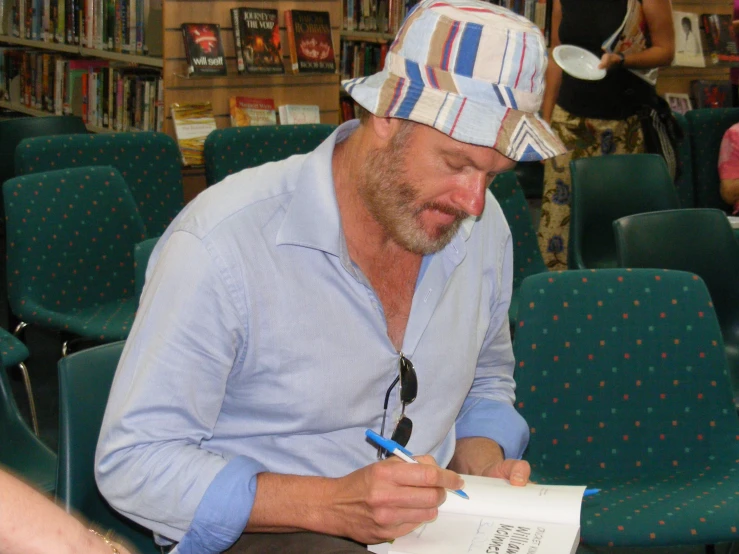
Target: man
<point x="284" y="304"/>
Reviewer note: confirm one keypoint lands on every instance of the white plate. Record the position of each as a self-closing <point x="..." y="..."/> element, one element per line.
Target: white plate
<point x="578" y="62"/>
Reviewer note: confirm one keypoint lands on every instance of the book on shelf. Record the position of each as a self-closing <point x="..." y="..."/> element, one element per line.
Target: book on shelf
<point x="310" y="42"/>
<point x="193" y="122"/>
<point x="246" y="112"/>
<point x="257" y="38"/>
<point x="711" y="94"/>
<point x="689" y="40"/>
<point x="204" y="49"/>
<point x="299" y="114"/>
<point x="498" y="517"/>
<point x="720" y="40"/>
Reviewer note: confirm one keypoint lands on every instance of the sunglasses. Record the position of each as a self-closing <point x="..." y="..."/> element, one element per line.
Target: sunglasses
<point x="408" y="390"/>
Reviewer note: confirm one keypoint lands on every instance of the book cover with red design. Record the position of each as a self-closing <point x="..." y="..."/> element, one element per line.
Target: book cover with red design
<point x="309" y="38"/>
<point x="711" y="94"/>
<point x="247" y="112"/>
<point x="204" y="49"/>
<point x="260" y="41"/>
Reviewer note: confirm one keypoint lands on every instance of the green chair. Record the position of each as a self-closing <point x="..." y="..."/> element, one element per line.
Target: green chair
<point x="71" y="236"/>
<point x="622" y="378"/>
<point x="150" y="163"/>
<point x="700" y="241"/>
<point x="13" y="353"/>
<point x="84" y="384"/>
<point x="684" y="181"/>
<point x="141" y="253"/>
<point x="232" y="149"/>
<point x="707" y="128"/>
<point x="527" y="258"/>
<point x="21" y="451"/>
<point x="605" y="188"/>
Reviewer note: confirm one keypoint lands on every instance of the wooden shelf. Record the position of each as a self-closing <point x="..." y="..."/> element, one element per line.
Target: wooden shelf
<point x="367" y="36"/>
<point x="92" y="52"/>
<point x="41" y="113"/>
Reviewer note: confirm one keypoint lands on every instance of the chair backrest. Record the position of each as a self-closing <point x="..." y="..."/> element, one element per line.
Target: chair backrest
<point x="707" y="127"/>
<point x="71" y="235"/>
<point x="232" y="149"/>
<point x="605" y="188"/>
<point x="85" y="378"/>
<point x="527" y="258"/>
<point x="141" y="253"/>
<point x="621" y="373"/>
<point x="13" y="131"/>
<point x="20" y="449"/>
<point x="149" y="162"/>
<point x="684" y="184"/>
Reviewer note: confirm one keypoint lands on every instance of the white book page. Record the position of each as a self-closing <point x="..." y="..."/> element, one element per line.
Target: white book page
<point x="498" y="498"/>
<point x="458" y="534"/>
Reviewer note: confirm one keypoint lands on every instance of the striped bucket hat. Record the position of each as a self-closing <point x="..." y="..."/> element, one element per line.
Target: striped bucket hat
<point x="472" y="70"/>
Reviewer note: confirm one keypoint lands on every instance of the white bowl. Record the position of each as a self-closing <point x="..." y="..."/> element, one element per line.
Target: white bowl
<point x="578" y="62"/>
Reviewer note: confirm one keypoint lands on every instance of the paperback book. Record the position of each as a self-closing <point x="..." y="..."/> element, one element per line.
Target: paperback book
<point x="720" y="38"/>
<point x="498" y="517"/>
<point x="246" y="112"/>
<point x="310" y="42"/>
<point x="711" y="94"/>
<point x="688" y="43"/>
<point x="299" y="114"/>
<point x="192" y="124"/>
<point x="260" y="41"/>
<point x="204" y="49"/>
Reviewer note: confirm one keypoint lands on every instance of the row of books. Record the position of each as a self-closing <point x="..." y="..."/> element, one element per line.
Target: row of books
<point x="105" y="94"/>
<point x="385" y="16"/>
<point x="704" y="39"/>
<point x="703" y="94"/>
<point x="257" y="44"/>
<point x="132" y="26"/>
<point x="193" y="122"/>
<point x="360" y="58"/>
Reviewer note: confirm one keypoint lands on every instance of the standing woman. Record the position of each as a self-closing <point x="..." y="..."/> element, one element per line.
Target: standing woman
<point x="599" y="117"/>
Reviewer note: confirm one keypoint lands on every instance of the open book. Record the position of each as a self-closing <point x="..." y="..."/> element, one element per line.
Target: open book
<point x="498" y="518"/>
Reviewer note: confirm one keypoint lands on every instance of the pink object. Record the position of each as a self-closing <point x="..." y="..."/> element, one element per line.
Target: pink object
<point x="728" y="156"/>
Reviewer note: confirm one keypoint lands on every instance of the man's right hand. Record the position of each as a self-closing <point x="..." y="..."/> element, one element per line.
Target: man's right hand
<point x="388" y="499"/>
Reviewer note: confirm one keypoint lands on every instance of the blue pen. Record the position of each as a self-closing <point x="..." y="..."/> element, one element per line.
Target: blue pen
<point x="396" y="450"/>
<point x="590" y="492"/>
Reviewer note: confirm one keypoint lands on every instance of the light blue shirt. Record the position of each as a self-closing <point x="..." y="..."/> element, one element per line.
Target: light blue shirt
<point x="259" y="346"/>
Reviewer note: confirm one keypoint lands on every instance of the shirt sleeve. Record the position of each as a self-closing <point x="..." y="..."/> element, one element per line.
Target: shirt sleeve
<point x="488" y="410"/>
<point x="152" y="462"/>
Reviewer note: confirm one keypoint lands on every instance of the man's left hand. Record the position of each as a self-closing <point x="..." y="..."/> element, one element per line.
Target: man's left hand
<point x="515" y="471"/>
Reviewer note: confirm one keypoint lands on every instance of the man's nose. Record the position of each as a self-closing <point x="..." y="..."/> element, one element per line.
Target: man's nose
<point x="469" y="196"/>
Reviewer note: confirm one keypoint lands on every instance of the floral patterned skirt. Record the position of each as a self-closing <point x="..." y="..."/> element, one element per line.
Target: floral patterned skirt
<point x="582" y="137"/>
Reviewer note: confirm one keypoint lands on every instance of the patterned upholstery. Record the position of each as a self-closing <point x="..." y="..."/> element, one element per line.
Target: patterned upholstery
<point x="232" y="149"/>
<point x="622" y="379"/>
<point x="527" y="258"/>
<point x="71" y="235"/>
<point x="707" y="128"/>
<point x="150" y="163"/>
<point x="684" y="182"/>
<point x="605" y="188"/>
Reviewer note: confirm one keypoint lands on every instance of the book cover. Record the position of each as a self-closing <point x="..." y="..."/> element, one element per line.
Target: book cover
<point x="299" y="114"/>
<point x="236" y="27"/>
<point x="711" y="94"/>
<point x="192" y="124"/>
<point x="688" y="44"/>
<point x="204" y="49"/>
<point x="247" y="112"/>
<point x="720" y="34"/>
<point x="498" y="517"/>
<point x="309" y="39"/>
<point x="260" y="41"/>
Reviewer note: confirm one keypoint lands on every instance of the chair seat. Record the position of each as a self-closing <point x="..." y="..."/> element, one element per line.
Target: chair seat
<point x="12" y="350"/>
<point x="25" y="455"/>
<point x="107" y="321"/>
<point x="653" y="509"/>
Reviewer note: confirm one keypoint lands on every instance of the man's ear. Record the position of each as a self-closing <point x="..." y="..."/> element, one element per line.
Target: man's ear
<point x="384" y="127"/>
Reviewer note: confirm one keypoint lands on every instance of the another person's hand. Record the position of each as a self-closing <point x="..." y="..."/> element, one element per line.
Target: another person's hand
<point x="515" y="471"/>
<point x="389" y="499"/>
<point x="607" y="61"/>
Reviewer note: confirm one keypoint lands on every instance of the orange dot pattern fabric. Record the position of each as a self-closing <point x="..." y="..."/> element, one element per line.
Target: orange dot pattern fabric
<point x="232" y="149"/>
<point x="70" y="238"/>
<point x="622" y="378"/>
<point x="150" y="164"/>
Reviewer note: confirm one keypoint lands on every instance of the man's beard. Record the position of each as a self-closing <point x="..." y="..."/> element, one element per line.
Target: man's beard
<point x="390" y="198"/>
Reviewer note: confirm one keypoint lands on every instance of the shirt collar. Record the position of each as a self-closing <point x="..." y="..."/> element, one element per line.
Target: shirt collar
<point x="312" y="218"/>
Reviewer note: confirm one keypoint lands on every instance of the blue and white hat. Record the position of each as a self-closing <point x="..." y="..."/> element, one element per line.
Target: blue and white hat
<point x="472" y="70"/>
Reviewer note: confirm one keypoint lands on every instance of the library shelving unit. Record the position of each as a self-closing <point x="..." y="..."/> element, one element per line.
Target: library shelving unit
<point x="677" y="79"/>
<point x="321" y="89"/>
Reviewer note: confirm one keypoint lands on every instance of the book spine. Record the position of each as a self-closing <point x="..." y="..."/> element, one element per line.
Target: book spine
<point x="131" y="11"/>
<point x="291" y="40"/>
<point x="236" y="23"/>
<point x="89" y="23"/>
<point x="160" y="104"/>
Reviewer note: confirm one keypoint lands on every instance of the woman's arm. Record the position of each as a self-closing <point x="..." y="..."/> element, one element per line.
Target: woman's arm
<point x="658" y="14"/>
<point x="553" y="77"/>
